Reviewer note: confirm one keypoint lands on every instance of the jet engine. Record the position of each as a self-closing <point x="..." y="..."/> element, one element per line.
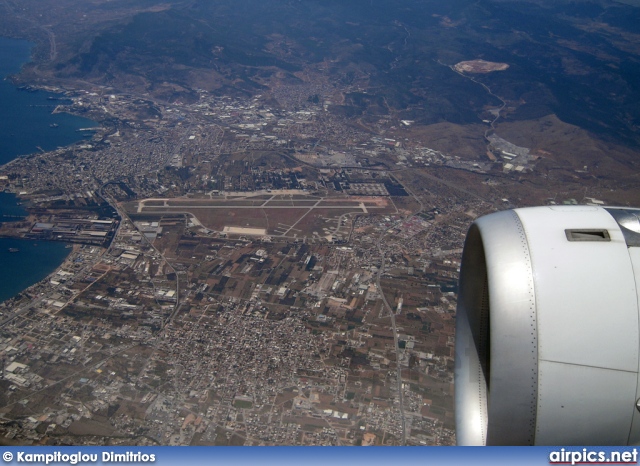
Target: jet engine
<point x="547" y="328"/>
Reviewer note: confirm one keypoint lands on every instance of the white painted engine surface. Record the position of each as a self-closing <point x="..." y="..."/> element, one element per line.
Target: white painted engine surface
<point x="548" y="332"/>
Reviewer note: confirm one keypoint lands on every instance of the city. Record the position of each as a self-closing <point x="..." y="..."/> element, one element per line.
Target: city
<point x="247" y="298"/>
<point x="264" y="269"/>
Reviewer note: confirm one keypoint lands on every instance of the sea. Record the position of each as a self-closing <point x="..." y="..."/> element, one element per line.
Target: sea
<point x="27" y="126"/>
<point x="32" y="262"/>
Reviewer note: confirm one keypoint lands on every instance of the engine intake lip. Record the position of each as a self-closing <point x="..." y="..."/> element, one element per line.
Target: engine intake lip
<point x="496" y="336"/>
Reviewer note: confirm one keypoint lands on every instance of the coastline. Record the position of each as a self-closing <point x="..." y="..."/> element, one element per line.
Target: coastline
<point x="29" y="128"/>
<point x="18" y="278"/>
<point x="34" y="117"/>
<point x="25" y="262"/>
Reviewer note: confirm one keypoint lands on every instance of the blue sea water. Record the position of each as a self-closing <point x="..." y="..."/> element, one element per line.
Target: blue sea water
<point x="27" y="124"/>
<point x="26" y="121"/>
<point x="33" y="261"/>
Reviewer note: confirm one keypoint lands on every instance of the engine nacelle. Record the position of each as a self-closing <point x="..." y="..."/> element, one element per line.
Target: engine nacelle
<point x="547" y="331"/>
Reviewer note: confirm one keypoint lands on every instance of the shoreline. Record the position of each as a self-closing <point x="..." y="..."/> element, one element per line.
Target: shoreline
<point x="32" y="126"/>
<point x="20" y="295"/>
<point x="38" y="117"/>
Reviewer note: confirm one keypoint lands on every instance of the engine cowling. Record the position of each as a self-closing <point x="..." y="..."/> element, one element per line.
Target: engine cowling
<point x="547" y="331"/>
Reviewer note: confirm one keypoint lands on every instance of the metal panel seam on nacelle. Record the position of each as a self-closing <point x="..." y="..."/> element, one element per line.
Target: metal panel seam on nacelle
<point x="513" y="375"/>
<point x="634" y="433"/>
<point x="598" y="324"/>
<point x="577" y="405"/>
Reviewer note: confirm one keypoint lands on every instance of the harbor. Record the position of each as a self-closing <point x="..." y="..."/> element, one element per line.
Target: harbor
<point x="27" y="125"/>
<point x="32" y="120"/>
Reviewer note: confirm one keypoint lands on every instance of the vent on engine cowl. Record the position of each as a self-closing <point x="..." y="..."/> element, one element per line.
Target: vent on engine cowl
<point x="587" y="235"/>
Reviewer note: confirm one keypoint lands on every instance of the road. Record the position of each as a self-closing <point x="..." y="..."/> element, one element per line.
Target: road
<point x="392" y="314"/>
<point x="123" y="215"/>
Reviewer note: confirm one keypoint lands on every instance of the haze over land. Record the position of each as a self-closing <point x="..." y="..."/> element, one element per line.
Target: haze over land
<point x="270" y="218"/>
